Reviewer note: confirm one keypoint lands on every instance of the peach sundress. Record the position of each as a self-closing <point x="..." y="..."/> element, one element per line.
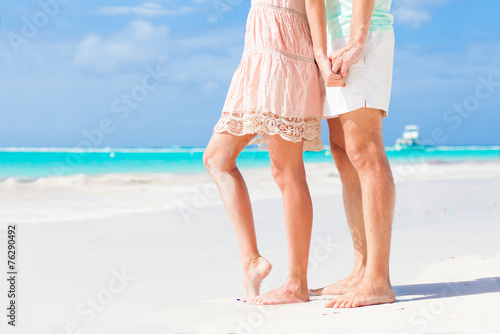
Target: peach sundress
<point x="277" y="87"/>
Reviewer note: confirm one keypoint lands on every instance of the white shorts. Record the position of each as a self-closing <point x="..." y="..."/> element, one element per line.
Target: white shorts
<point x="368" y="82"/>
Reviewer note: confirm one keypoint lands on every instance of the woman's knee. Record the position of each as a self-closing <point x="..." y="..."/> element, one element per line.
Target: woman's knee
<point x="284" y="176"/>
<point x="278" y="175"/>
<point x="208" y="157"/>
<point x="217" y="162"/>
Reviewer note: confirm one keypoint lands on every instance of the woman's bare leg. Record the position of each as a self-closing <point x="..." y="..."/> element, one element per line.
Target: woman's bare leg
<point x="220" y="160"/>
<point x="288" y="171"/>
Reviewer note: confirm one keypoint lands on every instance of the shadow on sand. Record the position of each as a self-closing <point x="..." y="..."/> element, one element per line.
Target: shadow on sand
<point x="448" y="289"/>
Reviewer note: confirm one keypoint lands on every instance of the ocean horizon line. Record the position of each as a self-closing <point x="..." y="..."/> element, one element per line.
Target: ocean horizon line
<point x="176" y="148"/>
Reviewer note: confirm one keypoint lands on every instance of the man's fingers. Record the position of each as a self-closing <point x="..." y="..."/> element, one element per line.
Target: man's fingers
<point x="336" y="66"/>
<point x="345" y="67"/>
<point x="332" y="55"/>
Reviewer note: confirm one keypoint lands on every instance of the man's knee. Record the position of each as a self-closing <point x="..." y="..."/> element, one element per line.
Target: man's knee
<point x="342" y="161"/>
<point x="337" y="151"/>
<point x="364" y="154"/>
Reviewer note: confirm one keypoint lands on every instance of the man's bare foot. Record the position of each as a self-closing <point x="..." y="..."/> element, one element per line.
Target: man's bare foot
<point x="365" y="294"/>
<point x="287" y="294"/>
<point x="253" y="275"/>
<point x="338" y="288"/>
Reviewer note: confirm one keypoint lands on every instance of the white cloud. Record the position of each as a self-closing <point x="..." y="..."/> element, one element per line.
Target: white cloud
<point x="412" y="16"/>
<point x="414" y="12"/>
<point x="147" y="9"/>
<point x="138" y="45"/>
<point x="204" y="60"/>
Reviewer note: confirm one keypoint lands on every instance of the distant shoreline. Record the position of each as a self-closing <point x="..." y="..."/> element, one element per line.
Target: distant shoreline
<point x="201" y="149"/>
<point x="32" y="163"/>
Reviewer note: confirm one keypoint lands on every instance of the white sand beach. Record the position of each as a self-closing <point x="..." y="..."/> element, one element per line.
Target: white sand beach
<point x="173" y="267"/>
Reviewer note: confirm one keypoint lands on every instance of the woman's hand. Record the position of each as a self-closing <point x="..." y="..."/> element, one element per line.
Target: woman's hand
<point x="344" y="57"/>
<point x="331" y="79"/>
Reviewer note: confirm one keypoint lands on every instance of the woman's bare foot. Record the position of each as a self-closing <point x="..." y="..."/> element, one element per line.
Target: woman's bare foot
<point x="340" y="287"/>
<point x="253" y="275"/>
<point x="366" y="293"/>
<point x="287" y="294"/>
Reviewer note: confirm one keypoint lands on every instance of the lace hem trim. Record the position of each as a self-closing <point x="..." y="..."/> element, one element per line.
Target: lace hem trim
<point x="279" y="9"/>
<point x="294" y="129"/>
<point x="281" y="52"/>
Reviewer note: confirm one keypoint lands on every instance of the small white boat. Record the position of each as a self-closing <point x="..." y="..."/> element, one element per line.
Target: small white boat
<point x="410" y="139"/>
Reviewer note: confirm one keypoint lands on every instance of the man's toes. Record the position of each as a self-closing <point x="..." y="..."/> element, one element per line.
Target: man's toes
<point x="332" y="303"/>
<point x="356" y="303"/>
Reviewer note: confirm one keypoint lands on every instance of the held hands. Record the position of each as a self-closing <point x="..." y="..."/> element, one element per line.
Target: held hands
<point x="344" y="57"/>
<point x="331" y="79"/>
<point x="334" y="67"/>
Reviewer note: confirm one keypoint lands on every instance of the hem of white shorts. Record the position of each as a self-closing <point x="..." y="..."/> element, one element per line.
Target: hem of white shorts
<point x="368" y="106"/>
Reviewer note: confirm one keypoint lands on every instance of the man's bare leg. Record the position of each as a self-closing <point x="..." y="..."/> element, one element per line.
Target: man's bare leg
<point x="353" y="206"/>
<point x="365" y="148"/>
<point x="220" y="161"/>
<point x="288" y="170"/>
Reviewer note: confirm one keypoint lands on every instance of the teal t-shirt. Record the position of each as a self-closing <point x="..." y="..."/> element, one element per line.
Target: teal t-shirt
<point x="339" y="13"/>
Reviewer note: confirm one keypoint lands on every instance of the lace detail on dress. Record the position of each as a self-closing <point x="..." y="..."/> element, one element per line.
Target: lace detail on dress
<point x="293" y="129"/>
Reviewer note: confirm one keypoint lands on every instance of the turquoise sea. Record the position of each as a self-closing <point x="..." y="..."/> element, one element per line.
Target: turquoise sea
<point x="29" y="163"/>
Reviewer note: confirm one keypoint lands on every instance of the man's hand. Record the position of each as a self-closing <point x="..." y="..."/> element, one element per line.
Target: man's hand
<point x="344" y="57"/>
<point x="331" y="79"/>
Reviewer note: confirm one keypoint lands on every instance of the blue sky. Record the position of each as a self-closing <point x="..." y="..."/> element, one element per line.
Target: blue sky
<point x="156" y="73"/>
